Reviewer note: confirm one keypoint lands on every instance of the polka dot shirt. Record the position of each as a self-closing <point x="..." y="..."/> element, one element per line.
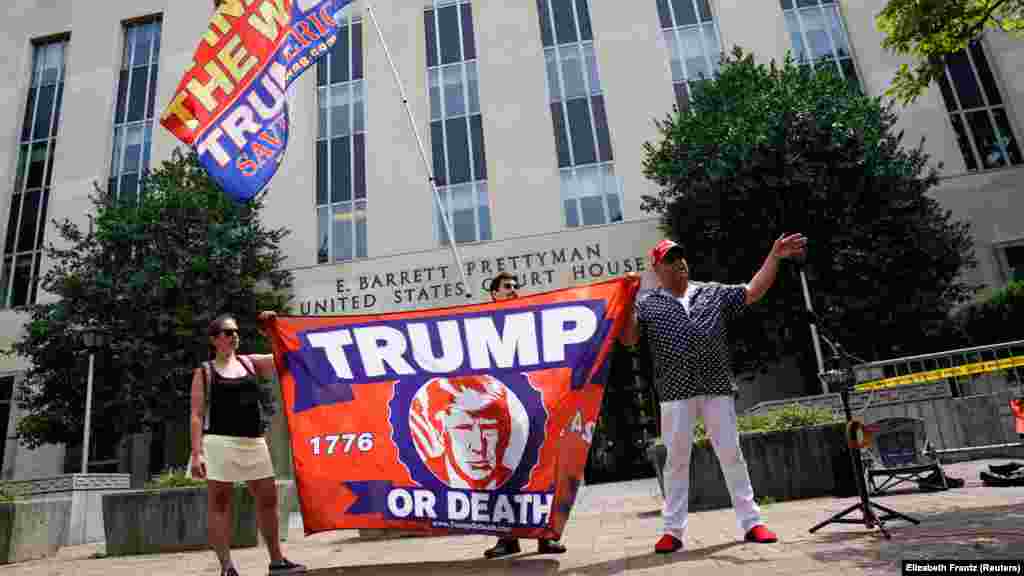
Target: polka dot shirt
<point x="689" y="342"/>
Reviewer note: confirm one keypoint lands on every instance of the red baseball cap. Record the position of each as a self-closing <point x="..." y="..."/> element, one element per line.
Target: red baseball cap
<point x="661" y="249"/>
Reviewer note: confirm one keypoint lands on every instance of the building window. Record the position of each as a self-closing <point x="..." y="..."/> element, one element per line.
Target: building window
<point x="341" y="147"/>
<point x="977" y="112"/>
<point x="6" y="393"/>
<point x="456" y="126"/>
<point x="1013" y="256"/>
<point x="689" y="30"/>
<point x="589" y="188"/>
<point x="133" y="114"/>
<point x="818" y="34"/>
<point x="23" y="248"/>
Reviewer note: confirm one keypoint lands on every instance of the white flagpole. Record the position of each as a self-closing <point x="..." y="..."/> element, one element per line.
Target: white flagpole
<point x="423" y="154"/>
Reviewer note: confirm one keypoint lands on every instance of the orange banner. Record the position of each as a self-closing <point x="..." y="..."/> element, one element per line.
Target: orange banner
<point x="470" y="419"/>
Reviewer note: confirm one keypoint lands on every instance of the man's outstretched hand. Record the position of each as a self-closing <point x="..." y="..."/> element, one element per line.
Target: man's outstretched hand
<point x="793" y="245"/>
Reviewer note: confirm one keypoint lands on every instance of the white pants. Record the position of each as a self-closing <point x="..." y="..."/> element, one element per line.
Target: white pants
<point x="677" y="421"/>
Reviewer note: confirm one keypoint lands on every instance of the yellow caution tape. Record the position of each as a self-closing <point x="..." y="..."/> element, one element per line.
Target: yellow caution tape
<point x="943" y="373"/>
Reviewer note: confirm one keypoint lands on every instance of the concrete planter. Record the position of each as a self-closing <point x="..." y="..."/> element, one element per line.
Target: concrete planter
<point x="32" y="529"/>
<point x="85" y="521"/>
<point x="173" y="520"/>
<point x="784" y="465"/>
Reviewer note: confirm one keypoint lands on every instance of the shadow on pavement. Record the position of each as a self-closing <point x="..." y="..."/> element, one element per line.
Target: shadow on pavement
<point x="457" y="568"/>
<point x="652" y="560"/>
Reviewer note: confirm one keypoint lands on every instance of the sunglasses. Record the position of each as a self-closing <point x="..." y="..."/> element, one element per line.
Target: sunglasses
<point x="229" y="332"/>
<point x="509" y="285"/>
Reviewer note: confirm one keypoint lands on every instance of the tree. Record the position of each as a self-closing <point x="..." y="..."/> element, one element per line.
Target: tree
<point x="928" y="30"/>
<point x="152" y="274"/>
<point x="764" y="150"/>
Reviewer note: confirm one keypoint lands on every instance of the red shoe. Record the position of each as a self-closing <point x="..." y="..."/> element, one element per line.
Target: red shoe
<point x="668" y="544"/>
<point x="761" y="534"/>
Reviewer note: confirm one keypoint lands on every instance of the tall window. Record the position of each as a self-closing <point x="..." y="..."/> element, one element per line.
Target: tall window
<point x="27" y="217"/>
<point x="6" y="392"/>
<point x="133" y="114"/>
<point x="456" y="126"/>
<point x="818" y="34"/>
<point x="1014" y="256"/>
<point x="690" y="33"/>
<point x="590" y="190"/>
<point x="341" y="147"/>
<point x="977" y="112"/>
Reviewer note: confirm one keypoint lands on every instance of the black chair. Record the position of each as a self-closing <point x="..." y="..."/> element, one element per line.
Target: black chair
<point x="900" y="452"/>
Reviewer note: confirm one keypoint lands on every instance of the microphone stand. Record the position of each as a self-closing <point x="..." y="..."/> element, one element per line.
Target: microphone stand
<point x="843" y="377"/>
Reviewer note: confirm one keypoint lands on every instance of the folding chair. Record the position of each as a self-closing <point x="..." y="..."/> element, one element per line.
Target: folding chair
<point x="899" y="452"/>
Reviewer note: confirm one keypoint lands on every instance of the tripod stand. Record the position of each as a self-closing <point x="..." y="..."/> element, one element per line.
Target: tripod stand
<point x="843" y="377"/>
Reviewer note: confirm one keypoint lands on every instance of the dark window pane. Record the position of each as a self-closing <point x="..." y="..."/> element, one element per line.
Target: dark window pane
<point x="593" y="210"/>
<point x="128" y="193"/>
<point x="565" y="24"/>
<point x="359" y="150"/>
<point x="342" y="233"/>
<point x="583" y="18"/>
<point x="22" y="281"/>
<point x="464" y="225"/>
<point x="963" y="142"/>
<point x="341" y="170"/>
<point x="458" y="150"/>
<point x="154" y="73"/>
<point x="49" y="163"/>
<point x="582" y="132"/>
<point x="985" y="139"/>
<point x="56" y="109"/>
<point x="479" y="150"/>
<point x="19" y="170"/>
<point x="705" y="10"/>
<point x="428" y="17"/>
<point x="1003" y="126"/>
<point x="448" y="31"/>
<point x="787" y="4"/>
<point x="850" y="72"/>
<point x="30" y="211"/>
<point x="947" y="93"/>
<point x="963" y="81"/>
<point x="36" y="165"/>
<point x="41" y="127"/>
<point x="323" y="224"/>
<point x="664" y="16"/>
<point x="684" y="12"/>
<point x="6" y="390"/>
<point x="321" y="70"/>
<point x="485" y="217"/>
<point x="604" y="143"/>
<point x="143" y="38"/>
<point x="468" y="41"/>
<point x="26" y="126"/>
<point x="122" y="96"/>
<point x="339" y="60"/>
<point x="112" y="185"/>
<point x="806" y="3"/>
<point x="357" y="51"/>
<point x="561" y="139"/>
<point x="437" y="151"/>
<point x="572" y="219"/>
<point x="545" y="23"/>
<point x="682" y="98"/>
<point x="12" y="225"/>
<point x="361" y="236"/>
<point x="137" y="95"/>
<point x="614" y="208"/>
<point x="41" y="232"/>
<point x="981" y="65"/>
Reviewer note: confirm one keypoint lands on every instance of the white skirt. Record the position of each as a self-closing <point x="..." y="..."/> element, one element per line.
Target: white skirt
<point x="235" y="459"/>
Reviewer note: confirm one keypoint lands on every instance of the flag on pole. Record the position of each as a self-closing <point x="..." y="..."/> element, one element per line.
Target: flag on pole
<point x="468" y="419"/>
<point x="231" y="104"/>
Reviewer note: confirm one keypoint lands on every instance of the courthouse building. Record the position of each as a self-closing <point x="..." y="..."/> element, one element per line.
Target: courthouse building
<point x="532" y="115"/>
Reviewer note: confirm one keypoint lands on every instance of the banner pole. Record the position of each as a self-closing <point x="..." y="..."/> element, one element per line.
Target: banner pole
<point x="423" y="154"/>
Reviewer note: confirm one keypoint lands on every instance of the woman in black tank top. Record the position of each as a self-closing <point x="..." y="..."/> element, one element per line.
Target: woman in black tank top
<point x="229" y="405"/>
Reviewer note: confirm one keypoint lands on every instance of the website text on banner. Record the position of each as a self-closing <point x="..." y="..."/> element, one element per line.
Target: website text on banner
<point x="468" y="419"/>
<point x="231" y="104"/>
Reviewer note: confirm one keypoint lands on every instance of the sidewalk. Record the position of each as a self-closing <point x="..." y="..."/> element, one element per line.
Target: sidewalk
<point x="613" y="530"/>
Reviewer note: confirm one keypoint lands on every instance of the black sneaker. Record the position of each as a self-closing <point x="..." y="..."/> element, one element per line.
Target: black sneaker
<point x="1005" y="468"/>
<point x="504" y="547"/>
<point x="550" y="547"/>
<point x="285" y="567"/>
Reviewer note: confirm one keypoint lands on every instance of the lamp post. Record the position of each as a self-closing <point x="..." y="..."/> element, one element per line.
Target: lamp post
<point x="94" y="340"/>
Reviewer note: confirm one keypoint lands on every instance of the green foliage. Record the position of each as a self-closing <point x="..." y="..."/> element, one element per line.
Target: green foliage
<point x="927" y="30"/>
<point x="174" y="478"/>
<point x="764" y="150"/>
<point x="785" y="418"/>
<point x="997" y="318"/>
<point x="5" y="496"/>
<point x="152" y="275"/>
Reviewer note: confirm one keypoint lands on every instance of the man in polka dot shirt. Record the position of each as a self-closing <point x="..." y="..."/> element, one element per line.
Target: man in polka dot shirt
<point x="685" y="323"/>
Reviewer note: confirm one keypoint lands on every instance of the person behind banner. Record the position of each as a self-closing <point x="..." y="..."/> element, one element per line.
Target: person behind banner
<point x="228" y="421"/>
<point x="504" y="286"/>
<point x="685" y="324"/>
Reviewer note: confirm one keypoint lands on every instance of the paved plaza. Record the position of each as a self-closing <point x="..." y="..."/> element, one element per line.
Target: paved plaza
<point x="613" y="530"/>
